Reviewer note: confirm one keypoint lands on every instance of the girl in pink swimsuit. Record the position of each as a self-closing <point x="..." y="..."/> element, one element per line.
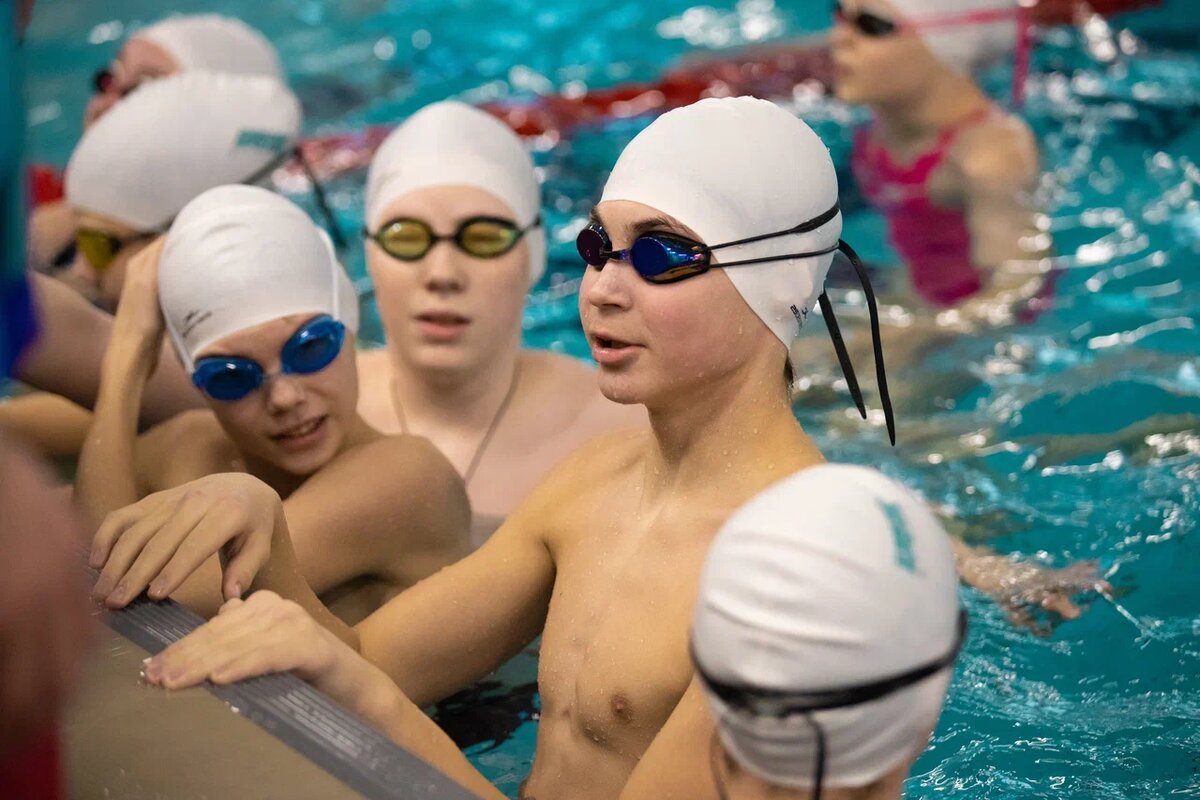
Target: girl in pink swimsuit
<point x="934" y="241"/>
<point x="911" y="62"/>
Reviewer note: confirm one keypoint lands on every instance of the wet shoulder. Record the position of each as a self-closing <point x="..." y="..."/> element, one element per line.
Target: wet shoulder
<point x="595" y="462"/>
<point x="185" y="447"/>
<point x="1001" y="147"/>
<point x="396" y="459"/>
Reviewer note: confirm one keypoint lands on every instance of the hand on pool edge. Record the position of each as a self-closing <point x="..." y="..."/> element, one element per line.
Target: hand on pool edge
<point x="257" y="636"/>
<point x="165" y="537"/>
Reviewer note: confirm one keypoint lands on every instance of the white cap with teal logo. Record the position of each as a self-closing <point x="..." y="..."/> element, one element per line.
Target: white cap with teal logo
<point x="832" y="579"/>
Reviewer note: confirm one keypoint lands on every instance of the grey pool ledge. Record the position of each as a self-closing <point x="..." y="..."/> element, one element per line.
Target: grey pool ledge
<point x="324" y="737"/>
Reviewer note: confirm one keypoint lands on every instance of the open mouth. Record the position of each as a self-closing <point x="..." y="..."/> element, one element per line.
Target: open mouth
<point x="301" y="430"/>
<point x="611" y="344"/>
<point x="448" y="318"/>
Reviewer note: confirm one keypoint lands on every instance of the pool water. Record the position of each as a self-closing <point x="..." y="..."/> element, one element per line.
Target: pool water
<point x="1074" y="437"/>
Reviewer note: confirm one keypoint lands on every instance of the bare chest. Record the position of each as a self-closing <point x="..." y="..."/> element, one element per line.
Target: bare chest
<point x="614" y="659"/>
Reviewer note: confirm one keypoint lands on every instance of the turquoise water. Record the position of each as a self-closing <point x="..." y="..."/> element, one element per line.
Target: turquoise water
<point x="1074" y="437"/>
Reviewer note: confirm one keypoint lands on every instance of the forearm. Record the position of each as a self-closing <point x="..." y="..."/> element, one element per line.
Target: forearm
<point x="52" y="425"/>
<point x="106" y="479"/>
<point x="385" y="706"/>
<point x="67" y="357"/>
<point x="967" y="559"/>
<point x="282" y="575"/>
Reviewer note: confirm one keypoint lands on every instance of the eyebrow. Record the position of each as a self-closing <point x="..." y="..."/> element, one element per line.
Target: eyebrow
<point x="647" y="225"/>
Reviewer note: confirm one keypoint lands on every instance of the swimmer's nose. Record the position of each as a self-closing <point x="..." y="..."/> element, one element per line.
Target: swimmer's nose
<point x="285" y="392"/>
<point x="841" y="34"/>
<point x="443" y="269"/>
<point x="608" y="287"/>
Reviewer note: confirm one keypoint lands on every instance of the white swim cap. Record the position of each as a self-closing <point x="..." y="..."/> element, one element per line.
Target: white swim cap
<point x="833" y="578"/>
<point x="962" y="44"/>
<point x="239" y="256"/>
<point x="173" y="138"/>
<point x="738" y="167"/>
<point x="214" y="42"/>
<point x="453" y="144"/>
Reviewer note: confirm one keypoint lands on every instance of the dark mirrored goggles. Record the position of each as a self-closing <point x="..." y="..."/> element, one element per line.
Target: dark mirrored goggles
<point x="101" y="248"/>
<point x="667" y="257"/>
<point x="867" y="23"/>
<point x="661" y="258"/>
<point x="410" y="239"/>
<point x="310" y="349"/>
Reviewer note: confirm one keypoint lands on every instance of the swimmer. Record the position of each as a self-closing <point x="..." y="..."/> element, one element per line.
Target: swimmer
<point x="183" y="43"/>
<point x="129" y="176"/>
<point x="951" y="172"/>
<point x="824" y="640"/>
<point x="264" y="318"/>
<point x="948" y="168"/>
<point x="136" y="169"/>
<point x="454" y="241"/>
<point x="603" y="558"/>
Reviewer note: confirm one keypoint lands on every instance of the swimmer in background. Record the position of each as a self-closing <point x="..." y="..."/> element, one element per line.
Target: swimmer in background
<point x="603" y="558"/>
<point x="824" y="648"/>
<point x="182" y="43"/>
<point x="453" y="370"/>
<point x="128" y="177"/>
<point x="454" y="240"/>
<point x="950" y="170"/>
<point x="264" y="319"/>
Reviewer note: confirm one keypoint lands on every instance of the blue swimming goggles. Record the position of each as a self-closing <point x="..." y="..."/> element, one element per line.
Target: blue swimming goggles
<point x="310" y="349"/>
<point x="668" y="258"/>
<point x="661" y="258"/>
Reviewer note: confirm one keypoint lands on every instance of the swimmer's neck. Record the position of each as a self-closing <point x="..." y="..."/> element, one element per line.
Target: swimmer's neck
<point x="945" y="101"/>
<point x="735" y="430"/>
<point x="457" y="400"/>
<point x="286" y="482"/>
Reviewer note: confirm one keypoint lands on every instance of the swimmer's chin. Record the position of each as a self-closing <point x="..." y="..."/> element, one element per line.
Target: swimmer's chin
<point x="619" y="389"/>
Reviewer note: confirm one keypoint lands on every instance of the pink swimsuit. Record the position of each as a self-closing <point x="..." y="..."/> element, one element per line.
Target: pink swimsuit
<point x="933" y="241"/>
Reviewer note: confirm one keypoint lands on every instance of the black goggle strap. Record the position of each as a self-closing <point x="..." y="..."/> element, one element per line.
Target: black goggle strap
<point x="819" y="766"/>
<point x="335" y="232"/>
<point x="839" y="347"/>
<point x="803" y="227"/>
<point x="789" y="703"/>
<point x="839" y="344"/>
